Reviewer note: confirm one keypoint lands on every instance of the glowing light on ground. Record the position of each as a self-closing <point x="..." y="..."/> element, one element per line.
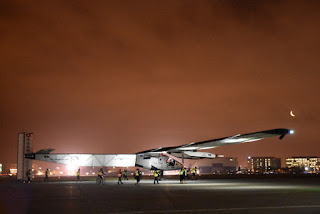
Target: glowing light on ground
<point x="72" y="169"/>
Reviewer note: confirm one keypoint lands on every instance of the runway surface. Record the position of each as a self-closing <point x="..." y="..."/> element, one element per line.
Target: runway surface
<point x="202" y="196"/>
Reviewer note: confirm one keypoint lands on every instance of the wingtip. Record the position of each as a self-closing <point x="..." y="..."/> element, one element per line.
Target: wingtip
<point x="289" y="131"/>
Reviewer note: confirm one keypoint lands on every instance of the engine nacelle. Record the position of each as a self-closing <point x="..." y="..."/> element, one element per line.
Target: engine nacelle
<point x="154" y="161"/>
<point x="200" y="154"/>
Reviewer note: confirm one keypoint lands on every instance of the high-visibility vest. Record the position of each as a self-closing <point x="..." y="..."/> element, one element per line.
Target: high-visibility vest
<point x="136" y="173"/>
<point x="194" y="170"/>
<point x="100" y="172"/>
<point x="155" y="173"/>
<point x="119" y="175"/>
<point x="78" y="173"/>
<point x="181" y="171"/>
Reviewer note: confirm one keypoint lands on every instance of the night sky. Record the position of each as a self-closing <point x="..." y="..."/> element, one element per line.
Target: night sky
<point x="127" y="76"/>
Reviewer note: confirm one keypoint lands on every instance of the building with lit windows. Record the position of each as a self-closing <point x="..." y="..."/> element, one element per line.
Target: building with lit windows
<point x="310" y="164"/>
<point x="263" y="164"/>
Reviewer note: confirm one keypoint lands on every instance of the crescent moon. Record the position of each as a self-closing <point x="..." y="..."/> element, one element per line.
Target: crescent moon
<point x="291" y="113"/>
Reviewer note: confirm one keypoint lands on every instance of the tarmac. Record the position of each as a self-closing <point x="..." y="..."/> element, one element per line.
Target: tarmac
<point x="300" y="195"/>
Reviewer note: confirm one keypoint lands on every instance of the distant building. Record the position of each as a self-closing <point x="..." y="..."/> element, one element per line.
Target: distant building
<point x="7" y="167"/>
<point x="216" y="165"/>
<point x="263" y="164"/>
<point x="304" y="163"/>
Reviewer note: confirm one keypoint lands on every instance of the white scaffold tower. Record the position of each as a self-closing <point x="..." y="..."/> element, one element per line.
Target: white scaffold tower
<point x="25" y="142"/>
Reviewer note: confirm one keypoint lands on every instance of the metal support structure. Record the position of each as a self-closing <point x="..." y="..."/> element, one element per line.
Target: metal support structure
<point x="106" y="160"/>
<point x="183" y="159"/>
<point x="24" y="147"/>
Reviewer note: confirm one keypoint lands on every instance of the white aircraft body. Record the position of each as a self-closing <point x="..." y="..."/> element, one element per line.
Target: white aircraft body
<point x="155" y="158"/>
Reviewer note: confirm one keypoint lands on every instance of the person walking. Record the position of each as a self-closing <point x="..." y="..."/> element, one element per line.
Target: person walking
<point x="28" y="174"/>
<point x="181" y="175"/>
<point x="137" y="176"/>
<point x="78" y="175"/>
<point x="125" y="174"/>
<point x="194" y="173"/>
<point x="156" y="174"/>
<point x="185" y="173"/>
<point x="101" y="174"/>
<point x="46" y="178"/>
<point x="161" y="175"/>
<point x="119" y="176"/>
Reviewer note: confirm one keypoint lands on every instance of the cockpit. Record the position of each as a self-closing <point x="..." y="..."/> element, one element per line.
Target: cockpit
<point x="171" y="162"/>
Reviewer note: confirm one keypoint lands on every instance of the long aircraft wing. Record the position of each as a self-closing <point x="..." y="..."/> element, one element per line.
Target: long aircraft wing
<point x="236" y="139"/>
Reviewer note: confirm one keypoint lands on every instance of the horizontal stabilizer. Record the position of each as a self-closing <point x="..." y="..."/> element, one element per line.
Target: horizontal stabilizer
<point x="45" y="151"/>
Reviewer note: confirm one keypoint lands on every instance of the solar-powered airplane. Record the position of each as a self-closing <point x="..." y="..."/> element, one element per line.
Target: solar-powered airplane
<point x="155" y="158"/>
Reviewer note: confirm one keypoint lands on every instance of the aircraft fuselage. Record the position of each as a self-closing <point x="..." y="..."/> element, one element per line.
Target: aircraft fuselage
<point x="146" y="161"/>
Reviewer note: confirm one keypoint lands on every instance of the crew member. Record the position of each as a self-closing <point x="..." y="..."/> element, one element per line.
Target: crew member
<point x="119" y="177"/>
<point x="101" y="174"/>
<point x="185" y="174"/>
<point x="156" y="174"/>
<point x="137" y="176"/>
<point x="181" y="175"/>
<point x="78" y="175"/>
<point x="46" y="174"/>
<point x="161" y="175"/>
<point x="28" y="174"/>
<point x="125" y="174"/>
<point x="194" y="173"/>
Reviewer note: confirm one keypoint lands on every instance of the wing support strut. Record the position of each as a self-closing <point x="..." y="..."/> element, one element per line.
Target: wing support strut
<point x="183" y="158"/>
<point x="282" y="136"/>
